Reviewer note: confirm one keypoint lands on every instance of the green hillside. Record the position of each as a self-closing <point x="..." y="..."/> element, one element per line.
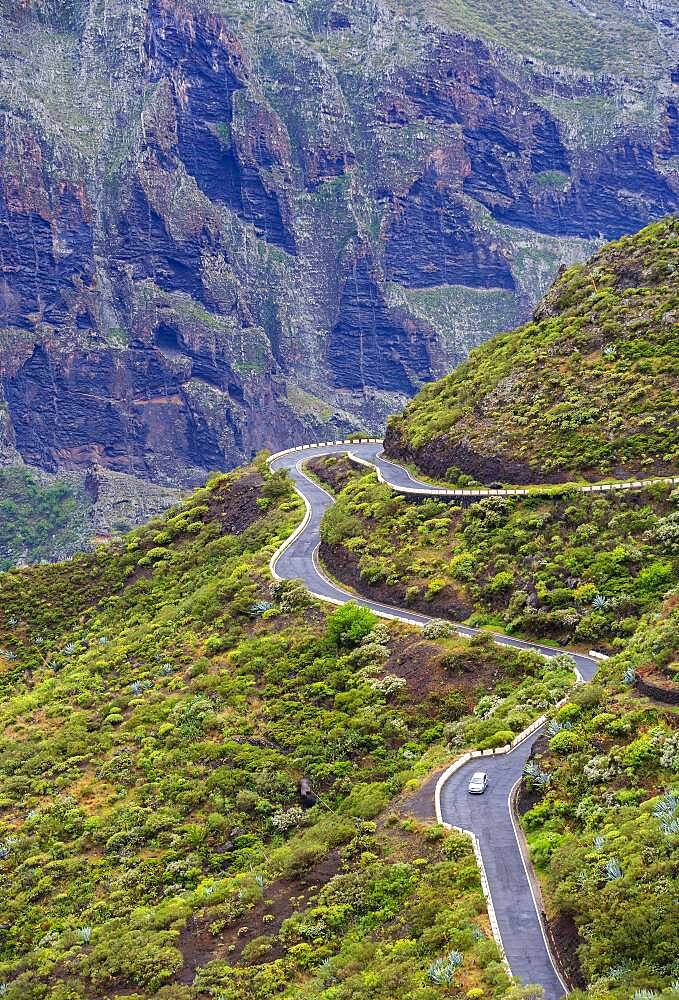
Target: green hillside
<point x="588" y="389"/>
<point x="161" y="700"/>
<point x="39" y="520"/>
<point x="573" y="568"/>
<point x="602" y="820"/>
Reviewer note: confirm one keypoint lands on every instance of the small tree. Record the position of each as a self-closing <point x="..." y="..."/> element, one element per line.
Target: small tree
<point x="349" y="624"/>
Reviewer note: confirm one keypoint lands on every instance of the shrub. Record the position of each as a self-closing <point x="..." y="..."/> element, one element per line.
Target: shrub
<point x="437" y="628"/>
<point x="543" y="846"/>
<point x="500" y="582"/>
<point x="365" y="800"/>
<point x="499" y="739"/>
<point x="350" y="623"/>
<point x="566" y="742"/>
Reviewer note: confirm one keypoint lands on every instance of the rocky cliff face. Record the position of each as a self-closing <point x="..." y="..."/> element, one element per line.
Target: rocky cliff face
<point x="235" y="224"/>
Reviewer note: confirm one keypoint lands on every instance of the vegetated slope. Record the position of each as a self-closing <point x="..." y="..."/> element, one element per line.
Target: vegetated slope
<point x="39" y="520"/>
<point x="235" y="224"/>
<point x="602" y="819"/>
<point x="47" y="517"/>
<point x="161" y="699"/>
<point x="569" y="566"/>
<point x="589" y="388"/>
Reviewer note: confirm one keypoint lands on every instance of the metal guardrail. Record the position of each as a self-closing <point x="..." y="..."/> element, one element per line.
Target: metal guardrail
<point x="435" y="491"/>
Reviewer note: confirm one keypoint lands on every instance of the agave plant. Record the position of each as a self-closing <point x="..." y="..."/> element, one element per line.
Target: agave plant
<point x="666" y="806"/>
<point x="599" y="602"/>
<point x="619" y="971"/>
<point x="554" y="727"/>
<point x="442" y="970"/>
<point x="325" y="971"/>
<point x="598" y="842"/>
<point x="438" y="972"/>
<point x="137" y="687"/>
<point x="6" y="846"/>
<point x="630" y="676"/>
<point x="258" y="608"/>
<point x="613" y="870"/>
<point x="69" y="648"/>
<point x="84" y="934"/>
<point x="536" y="774"/>
<point x="666" y="810"/>
<point x="644" y="994"/>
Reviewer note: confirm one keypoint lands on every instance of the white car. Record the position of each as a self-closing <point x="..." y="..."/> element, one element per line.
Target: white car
<point x="478" y="783"/>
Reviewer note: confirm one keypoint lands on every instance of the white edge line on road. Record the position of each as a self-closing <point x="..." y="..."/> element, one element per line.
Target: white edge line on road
<point x="465" y="758"/>
<point x="485" y="883"/>
<point x="313" y="482"/>
<point x="395" y="465"/>
<point x="442" y="491"/>
<point x="291" y="537"/>
<point x="520" y="846"/>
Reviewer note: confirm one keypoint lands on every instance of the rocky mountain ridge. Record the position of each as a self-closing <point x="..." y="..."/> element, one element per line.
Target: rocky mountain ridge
<point x="234" y="225"/>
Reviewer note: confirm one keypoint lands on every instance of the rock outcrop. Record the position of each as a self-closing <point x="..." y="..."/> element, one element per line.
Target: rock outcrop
<point x="227" y="231"/>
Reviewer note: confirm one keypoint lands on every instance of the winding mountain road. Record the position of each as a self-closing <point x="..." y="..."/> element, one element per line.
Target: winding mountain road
<point x="511" y="900"/>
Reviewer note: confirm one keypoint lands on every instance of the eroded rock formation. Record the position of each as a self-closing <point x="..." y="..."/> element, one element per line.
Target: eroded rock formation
<point x="222" y="232"/>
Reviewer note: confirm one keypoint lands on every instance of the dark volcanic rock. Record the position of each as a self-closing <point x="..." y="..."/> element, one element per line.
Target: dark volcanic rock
<point x="513" y="156"/>
<point x="437" y="457"/>
<point x="120" y="411"/>
<point x="204" y="217"/>
<point x="432" y="240"/>
<point x="372" y="344"/>
<point x="619" y="189"/>
<point x="205" y="65"/>
<point x="670" y="145"/>
<point x="145" y="244"/>
<point x="46" y="255"/>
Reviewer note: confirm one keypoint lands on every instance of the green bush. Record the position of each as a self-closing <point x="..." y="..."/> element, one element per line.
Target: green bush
<point x="365" y="800"/>
<point x="500" y="738"/>
<point x="566" y="742"/>
<point x="350" y="623"/>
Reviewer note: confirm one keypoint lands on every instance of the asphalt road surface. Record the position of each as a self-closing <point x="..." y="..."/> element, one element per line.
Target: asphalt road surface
<point x="489" y="816"/>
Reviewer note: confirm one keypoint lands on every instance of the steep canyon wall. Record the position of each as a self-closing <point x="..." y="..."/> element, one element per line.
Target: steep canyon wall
<point x="234" y="225"/>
